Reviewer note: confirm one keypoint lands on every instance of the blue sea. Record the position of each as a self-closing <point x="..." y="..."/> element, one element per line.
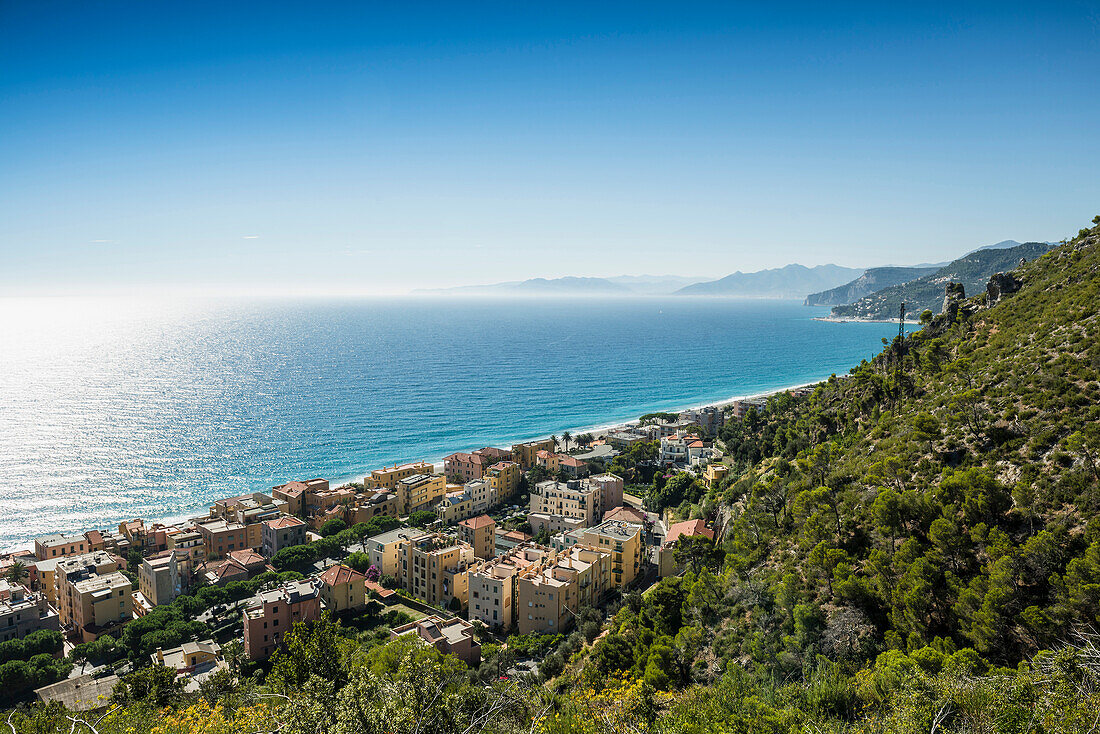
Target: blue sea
<point x="114" y="408"/>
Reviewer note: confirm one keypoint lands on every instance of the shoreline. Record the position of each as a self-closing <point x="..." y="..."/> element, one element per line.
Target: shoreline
<point x="854" y="320"/>
<point x="598" y="430"/>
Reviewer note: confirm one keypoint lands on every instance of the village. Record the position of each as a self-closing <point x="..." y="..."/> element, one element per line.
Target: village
<point x="493" y="546"/>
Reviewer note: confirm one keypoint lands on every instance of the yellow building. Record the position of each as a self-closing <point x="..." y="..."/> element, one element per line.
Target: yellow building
<point x="385" y="549"/>
<point x="714" y="474"/>
<point x="434" y="569"/>
<point x="624" y="541"/>
<point x="93" y="596"/>
<point x="525" y="454"/>
<point x="548" y="598"/>
<point x="343" y="588"/>
<point x="388" y="477"/>
<point x="504" y="479"/>
<point x="457" y="505"/>
<point x="420" y="492"/>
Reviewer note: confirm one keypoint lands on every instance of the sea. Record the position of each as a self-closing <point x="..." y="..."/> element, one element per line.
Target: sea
<point x="114" y="408"/>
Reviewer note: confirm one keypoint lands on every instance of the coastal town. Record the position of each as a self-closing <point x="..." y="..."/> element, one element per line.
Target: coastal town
<point x="496" y="546"/>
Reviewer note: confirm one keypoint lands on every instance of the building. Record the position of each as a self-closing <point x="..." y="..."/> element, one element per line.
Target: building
<point x="548" y="460"/>
<point x="83" y="693"/>
<point x="188" y="540"/>
<point x="238" y="565"/>
<point x="57" y="545"/>
<point x="740" y="408"/>
<point x="420" y="492"/>
<point x="343" y="588"/>
<point x="674" y="448"/>
<point x="282" y="532"/>
<point x="388" y="477"/>
<point x="373" y="503"/>
<point x="434" y="568"/>
<point x="575" y="500"/>
<point x="525" y="454"/>
<point x="622" y="440"/>
<point x="93" y="596"/>
<point x="23" y="611"/>
<point x="506" y="540"/>
<point x="480" y="533"/>
<point x="385" y="549"/>
<point x="160" y="579"/>
<point x="194" y="661"/>
<point x="571" y="467"/>
<point x="624" y="541"/>
<point x="274" y="613"/>
<point x="504" y="478"/>
<point x="465" y="466"/>
<point x="611" y="490"/>
<point x="219" y="537"/>
<point x="666" y="557"/>
<point x="296" y="493"/>
<point x="456" y="506"/>
<point x="700" y="453"/>
<point x="492" y="585"/>
<point x="449" y="636"/>
<point x="714" y="474"/>
<point x="548" y="597"/>
<point x="709" y="418"/>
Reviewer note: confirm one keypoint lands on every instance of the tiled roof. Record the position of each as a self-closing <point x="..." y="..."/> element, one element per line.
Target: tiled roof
<point x="480" y="521"/>
<point x="687" y="528"/>
<point x="247" y="557"/>
<point x="284" y="522"/>
<point x="341" y="574"/>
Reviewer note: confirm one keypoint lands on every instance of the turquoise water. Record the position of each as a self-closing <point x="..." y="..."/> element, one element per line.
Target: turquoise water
<point x="112" y="409"/>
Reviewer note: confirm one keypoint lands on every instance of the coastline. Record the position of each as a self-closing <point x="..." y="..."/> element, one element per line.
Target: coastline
<point x="854" y="320"/>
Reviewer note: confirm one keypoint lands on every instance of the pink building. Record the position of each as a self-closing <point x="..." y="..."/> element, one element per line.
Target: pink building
<point x="473" y="465"/>
<point x="266" y="621"/>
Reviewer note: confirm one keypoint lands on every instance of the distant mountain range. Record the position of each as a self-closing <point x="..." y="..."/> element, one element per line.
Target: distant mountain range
<point x="872" y="280"/>
<point x="792" y="281"/>
<point x="926" y="292"/>
<point x="821" y="285"/>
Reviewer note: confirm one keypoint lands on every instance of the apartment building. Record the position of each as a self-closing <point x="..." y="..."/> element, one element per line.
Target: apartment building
<point x="434" y="568"/>
<point x="23" y="611"/>
<point x="296" y="493"/>
<point x="674" y="448"/>
<point x="238" y="565"/>
<point x="187" y="540"/>
<point x="548" y="598"/>
<point x="611" y="490"/>
<point x="480" y="533"/>
<point x="343" y="588"/>
<point x="492" y="585"/>
<point x="420" y="492"/>
<point x="465" y="466"/>
<point x="93" y="596"/>
<point x="373" y="503"/>
<point x="504" y="479"/>
<point x="624" y="541"/>
<point x="525" y="454"/>
<point x="507" y="540"/>
<point x="219" y="537"/>
<point x="449" y="636"/>
<point x="548" y="460"/>
<point x="385" y="549"/>
<point x="161" y="578"/>
<point x="282" y="532"/>
<point x="709" y="418"/>
<point x="388" y="477"/>
<point x="57" y="545"/>
<point x="576" y="500"/>
<point x="456" y="505"/>
<point x="274" y="613"/>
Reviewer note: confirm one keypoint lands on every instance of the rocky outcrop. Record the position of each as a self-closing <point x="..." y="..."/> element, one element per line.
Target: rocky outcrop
<point x="999" y="286"/>
<point x="953" y="296"/>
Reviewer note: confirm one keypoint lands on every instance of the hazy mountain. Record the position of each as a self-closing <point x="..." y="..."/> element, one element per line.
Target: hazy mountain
<point x="972" y="270"/>
<point x="871" y="280"/>
<point x="792" y="281"/>
<point x="619" y="285"/>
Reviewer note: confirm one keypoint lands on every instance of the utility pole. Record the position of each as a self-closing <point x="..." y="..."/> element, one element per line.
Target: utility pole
<point x="898" y="355"/>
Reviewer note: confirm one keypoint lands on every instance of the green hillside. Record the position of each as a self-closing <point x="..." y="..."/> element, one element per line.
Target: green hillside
<point x="872" y="280"/>
<point x="972" y="270"/>
<point x="914" y="547"/>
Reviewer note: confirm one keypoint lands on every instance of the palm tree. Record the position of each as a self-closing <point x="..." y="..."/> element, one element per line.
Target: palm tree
<point x="566" y="437"/>
<point x="17" y="572"/>
<point x="555" y="440"/>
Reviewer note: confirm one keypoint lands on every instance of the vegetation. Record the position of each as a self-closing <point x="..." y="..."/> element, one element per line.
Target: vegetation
<point x="926" y="292"/>
<point x="911" y="548"/>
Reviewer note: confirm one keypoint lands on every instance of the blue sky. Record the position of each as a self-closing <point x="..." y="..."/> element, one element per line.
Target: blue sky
<point x="375" y="148"/>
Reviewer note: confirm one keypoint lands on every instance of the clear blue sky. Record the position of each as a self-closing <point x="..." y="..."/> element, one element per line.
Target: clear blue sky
<point x="381" y="147"/>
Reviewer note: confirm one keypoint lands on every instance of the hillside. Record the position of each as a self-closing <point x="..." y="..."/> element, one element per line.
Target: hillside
<point x="872" y="280"/>
<point x="791" y="281"/>
<point x="914" y="547"/>
<point x="972" y="270"/>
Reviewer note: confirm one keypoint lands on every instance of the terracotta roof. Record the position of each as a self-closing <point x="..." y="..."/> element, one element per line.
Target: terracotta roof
<point x="688" y="528"/>
<point x="247" y="557"/>
<point x="94" y="537"/>
<point x="284" y="522"/>
<point x="695" y="445"/>
<point x="377" y="588"/>
<point x="480" y="521"/>
<point x="570" y="461"/>
<point x="341" y="574"/>
<point x="628" y="514"/>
